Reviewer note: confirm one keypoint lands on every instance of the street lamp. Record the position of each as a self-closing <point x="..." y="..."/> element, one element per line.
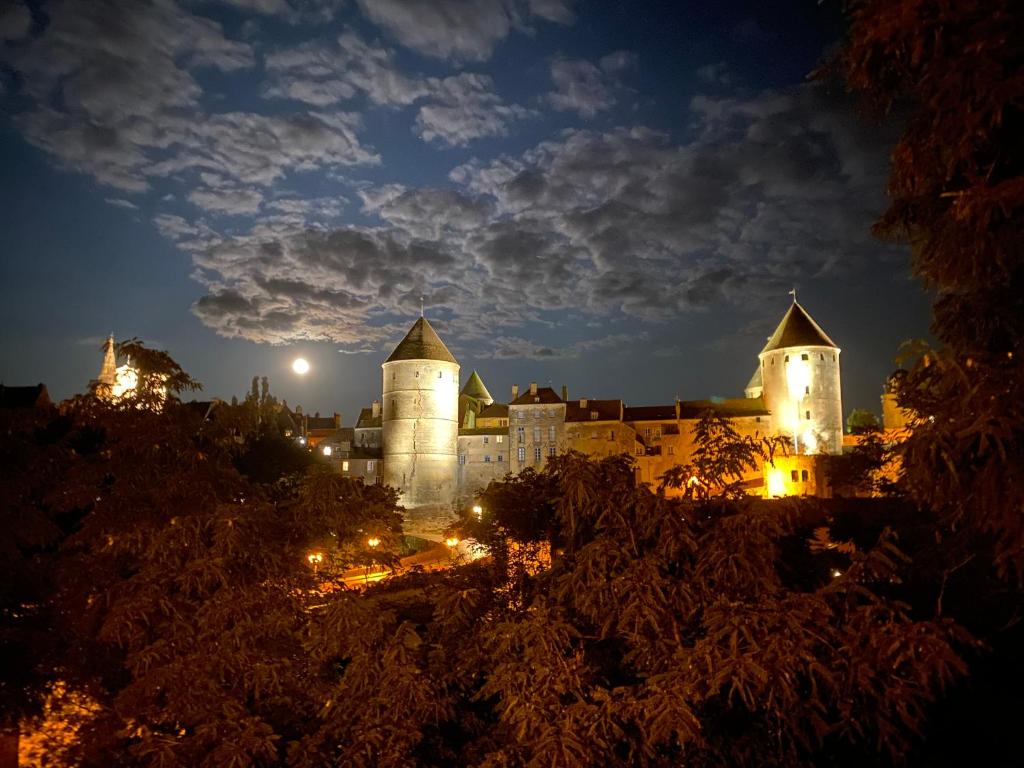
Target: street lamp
<point x="315" y="558"/>
<point x="327" y="450"/>
<point x="373" y="541"/>
<point x="478" y="511"/>
<point x="452" y="542"/>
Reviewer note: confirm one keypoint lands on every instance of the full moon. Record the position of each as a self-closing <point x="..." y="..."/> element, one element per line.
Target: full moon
<point x="301" y="366"/>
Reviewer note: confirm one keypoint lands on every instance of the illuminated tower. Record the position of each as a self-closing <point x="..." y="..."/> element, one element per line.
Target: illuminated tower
<point x="108" y="371"/>
<point x="420" y="425"/>
<point x="800" y="383"/>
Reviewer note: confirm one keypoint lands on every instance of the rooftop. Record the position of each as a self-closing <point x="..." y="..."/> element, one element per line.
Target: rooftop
<point x="421" y="343"/>
<point x="733" y="408"/>
<point x="367" y="420"/>
<point x="475" y="388"/>
<point x="544" y="396"/>
<point x="606" y="410"/>
<point x="797" y="329"/>
<point x="649" y="413"/>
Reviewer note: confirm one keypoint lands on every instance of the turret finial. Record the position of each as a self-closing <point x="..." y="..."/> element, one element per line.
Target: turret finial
<point x="793" y="294"/>
<point x="421" y="306"/>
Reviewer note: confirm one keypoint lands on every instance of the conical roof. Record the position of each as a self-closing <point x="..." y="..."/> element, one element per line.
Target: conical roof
<point x="108" y="371"/>
<point x="798" y="329"/>
<point x="422" y="343"/>
<point x="755" y="380"/>
<point x="475" y="388"/>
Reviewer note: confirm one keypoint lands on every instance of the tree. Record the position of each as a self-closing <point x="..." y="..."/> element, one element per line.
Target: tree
<point x="861" y="422"/>
<point x="952" y="72"/>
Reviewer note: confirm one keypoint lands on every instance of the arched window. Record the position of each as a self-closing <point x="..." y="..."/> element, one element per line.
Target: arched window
<point x="803" y="475"/>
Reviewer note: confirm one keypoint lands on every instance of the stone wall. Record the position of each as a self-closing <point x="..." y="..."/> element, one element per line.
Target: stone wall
<point x="802" y="381"/>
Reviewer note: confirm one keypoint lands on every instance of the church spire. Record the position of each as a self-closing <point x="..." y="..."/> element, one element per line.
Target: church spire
<point x="108" y="371"/>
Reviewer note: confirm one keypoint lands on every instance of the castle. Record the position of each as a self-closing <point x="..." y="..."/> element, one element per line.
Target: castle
<point x="439" y="444"/>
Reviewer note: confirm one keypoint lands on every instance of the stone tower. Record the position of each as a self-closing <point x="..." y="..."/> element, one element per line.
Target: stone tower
<point x="419" y="422"/>
<point x="800" y="383"/>
<point x="108" y="371"/>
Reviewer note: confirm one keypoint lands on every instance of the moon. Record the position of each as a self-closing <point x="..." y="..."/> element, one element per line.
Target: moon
<point x="300" y="365"/>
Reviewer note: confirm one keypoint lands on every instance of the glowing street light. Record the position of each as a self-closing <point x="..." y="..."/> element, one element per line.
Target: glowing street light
<point x="300" y="365"/>
<point x="452" y="542"/>
<point x="478" y="511"/>
<point x="327" y="450"/>
<point x="373" y="541"/>
<point x="315" y="558"/>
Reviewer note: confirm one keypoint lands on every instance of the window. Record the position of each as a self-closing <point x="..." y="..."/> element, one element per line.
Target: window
<point x="536" y="455"/>
<point x="393" y="374"/>
<point x="538" y="413"/>
<point x="593" y="415"/>
<point x="611" y="434"/>
<point x="462" y="459"/>
<point x="551" y="433"/>
<point x="487" y="459"/>
<point x="499" y="439"/>
<point x="486" y="439"/>
<point x="804" y="356"/>
<point x="822" y="355"/>
<point x="536" y="399"/>
<point x="520" y="415"/>
<point x="501" y="457"/>
<point x="807" y="414"/>
<point x="671" y="450"/>
<point x="439" y="374"/>
<point x="639" y="450"/>
<point x="793" y="475"/>
<point x="787" y="358"/>
<point x="521" y="434"/>
<point x="807" y="389"/>
<point x="522" y="454"/>
<point x="758" y="419"/>
<point x="593" y="435"/>
<point x="803" y="475"/>
<point x="551" y="450"/>
<point x="536" y="434"/>
<point x="417" y="374"/>
<point x="369" y="466"/>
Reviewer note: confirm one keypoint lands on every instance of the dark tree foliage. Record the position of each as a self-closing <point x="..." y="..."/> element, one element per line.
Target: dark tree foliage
<point x="668" y="632"/>
<point x="956" y="71"/>
<point x="861" y="422"/>
<point x="170" y="588"/>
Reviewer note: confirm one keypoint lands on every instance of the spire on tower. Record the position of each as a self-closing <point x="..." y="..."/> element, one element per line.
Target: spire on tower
<point x="108" y="371"/>
<point x="793" y="294"/>
<point x="421" y="306"/>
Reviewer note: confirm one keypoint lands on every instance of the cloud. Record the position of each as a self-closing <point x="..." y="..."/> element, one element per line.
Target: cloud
<point x="292" y="11"/>
<point x="465" y="30"/>
<point x="616" y="224"/>
<point x="233" y="201"/>
<point x="513" y="347"/>
<point x="465" y="108"/>
<point x="586" y="88"/>
<point x="118" y="202"/>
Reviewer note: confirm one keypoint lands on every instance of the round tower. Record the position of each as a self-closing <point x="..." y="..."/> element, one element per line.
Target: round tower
<point x="800" y="383"/>
<point x="420" y="411"/>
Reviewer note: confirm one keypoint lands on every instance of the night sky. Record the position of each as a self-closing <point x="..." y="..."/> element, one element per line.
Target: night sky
<point x="613" y="196"/>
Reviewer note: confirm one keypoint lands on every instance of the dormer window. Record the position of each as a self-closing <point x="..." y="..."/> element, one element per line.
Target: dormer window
<point x="593" y="415"/>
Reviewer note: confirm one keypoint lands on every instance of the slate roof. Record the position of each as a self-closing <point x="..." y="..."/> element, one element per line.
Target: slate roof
<point x="607" y="410"/>
<point x="320" y="423"/>
<point x="24" y="397"/>
<point x="475" y="388"/>
<point x="650" y="413"/>
<point x="467" y="432"/>
<point x="544" y="396"/>
<point x="421" y="343"/>
<point x="733" y="408"/>
<point x="494" y="411"/>
<point x="798" y="329"/>
<point x="367" y="420"/>
<point x="755" y="380"/>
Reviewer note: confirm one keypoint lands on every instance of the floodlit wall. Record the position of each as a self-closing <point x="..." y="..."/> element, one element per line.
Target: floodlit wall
<point x="802" y="391"/>
<point x="420" y="430"/>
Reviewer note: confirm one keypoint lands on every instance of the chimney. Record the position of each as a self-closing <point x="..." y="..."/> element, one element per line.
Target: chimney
<point x="515" y="391"/>
<point x="565" y="394"/>
<point x="337" y="420"/>
<point x="583" y="402"/>
<point x="533" y="387"/>
<point x="298" y="409"/>
<point x="375" y="409"/>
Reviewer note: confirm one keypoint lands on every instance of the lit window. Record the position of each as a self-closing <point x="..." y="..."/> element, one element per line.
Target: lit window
<point x="803" y="475"/>
<point x="521" y="454"/>
<point x="344" y="466"/>
<point x="593" y="415"/>
<point x="369" y="466"/>
<point x="462" y="458"/>
<point x="500" y="438"/>
<point x="536" y="455"/>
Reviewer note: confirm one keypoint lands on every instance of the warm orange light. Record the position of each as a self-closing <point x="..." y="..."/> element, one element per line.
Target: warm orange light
<point x="373" y="541"/>
<point x="478" y="511"/>
<point x="452" y="542"/>
<point x="776" y="483"/>
<point x="315" y="558"/>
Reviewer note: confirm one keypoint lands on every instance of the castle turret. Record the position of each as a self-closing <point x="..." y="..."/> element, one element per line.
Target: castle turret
<point x="800" y="383"/>
<point x="108" y="370"/>
<point x="420" y="418"/>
